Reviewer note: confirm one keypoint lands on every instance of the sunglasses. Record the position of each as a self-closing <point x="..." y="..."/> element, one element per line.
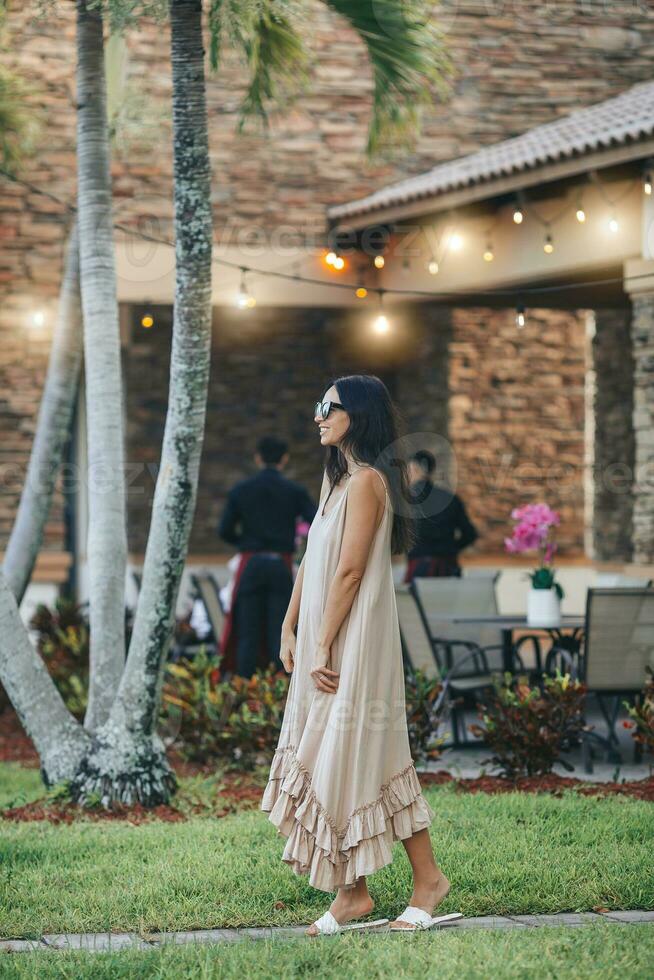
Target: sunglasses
<point x="322" y="409"/>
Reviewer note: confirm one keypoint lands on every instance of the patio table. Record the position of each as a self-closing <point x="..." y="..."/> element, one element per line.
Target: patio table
<point x="568" y="632"/>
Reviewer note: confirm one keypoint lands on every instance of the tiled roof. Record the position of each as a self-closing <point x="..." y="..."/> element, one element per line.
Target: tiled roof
<point x="619" y="120"/>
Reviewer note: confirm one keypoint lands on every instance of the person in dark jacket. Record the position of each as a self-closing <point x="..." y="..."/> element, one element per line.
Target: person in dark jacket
<point x="443" y="528"/>
<point x="259" y="519"/>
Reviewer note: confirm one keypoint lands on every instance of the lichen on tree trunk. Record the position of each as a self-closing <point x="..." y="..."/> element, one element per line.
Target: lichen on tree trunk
<point x="123" y="767"/>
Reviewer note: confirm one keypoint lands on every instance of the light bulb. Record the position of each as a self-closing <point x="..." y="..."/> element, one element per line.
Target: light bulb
<point x="147" y="321"/>
<point x="379" y="261"/>
<point x="548" y="245"/>
<point x="339" y="263"/>
<point x="613" y="224"/>
<point x="455" y="242"/>
<point x="242" y="301"/>
<point x="381" y="324"/>
<point x="518" y="216"/>
<point x="581" y="215"/>
<point x="361" y="292"/>
<point x="330" y="258"/>
<point x="489" y="255"/>
<point x="38" y="318"/>
<point x="520" y="317"/>
<point x="433" y="267"/>
<point x="647" y="186"/>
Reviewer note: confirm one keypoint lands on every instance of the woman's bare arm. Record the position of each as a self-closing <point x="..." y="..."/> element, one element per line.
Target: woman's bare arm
<point x="365" y="508"/>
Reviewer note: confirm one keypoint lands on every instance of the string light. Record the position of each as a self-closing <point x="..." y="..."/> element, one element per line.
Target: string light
<point x="330" y="258"/>
<point x="244" y="300"/>
<point x="581" y="214"/>
<point x="548" y="244"/>
<point x="147" y="321"/>
<point x="380" y="323"/>
<point x="613" y="224"/>
<point x="339" y="263"/>
<point x="520" y="317"/>
<point x="334" y="261"/>
<point x="455" y="242"/>
<point x="647" y="185"/>
<point x="379" y="261"/>
<point x="433" y="267"/>
<point x="489" y="254"/>
<point x="518" y="215"/>
<point x="361" y="292"/>
<point x="38" y="318"/>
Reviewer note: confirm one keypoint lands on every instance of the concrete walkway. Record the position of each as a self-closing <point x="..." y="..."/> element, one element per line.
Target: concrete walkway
<point x="99" y="942"/>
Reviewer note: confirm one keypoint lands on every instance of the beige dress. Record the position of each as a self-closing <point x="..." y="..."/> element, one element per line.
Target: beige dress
<point x="342" y="784"/>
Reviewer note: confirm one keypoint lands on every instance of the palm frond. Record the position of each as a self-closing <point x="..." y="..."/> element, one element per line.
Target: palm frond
<point x="263" y="32"/>
<point x="409" y="62"/>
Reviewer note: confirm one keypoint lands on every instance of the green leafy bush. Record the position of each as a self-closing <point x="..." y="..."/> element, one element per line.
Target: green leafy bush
<point x="642" y="715"/>
<point x="527" y="728"/>
<point x="425" y="720"/>
<point x="63" y="642"/>
<point x="235" y="721"/>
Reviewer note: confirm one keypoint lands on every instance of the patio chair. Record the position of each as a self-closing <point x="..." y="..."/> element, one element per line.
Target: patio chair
<point x="461" y="660"/>
<point x="416" y="646"/>
<point x="449" y="597"/>
<point x="610" y="580"/>
<point x="619" y="645"/>
<point x="206" y="589"/>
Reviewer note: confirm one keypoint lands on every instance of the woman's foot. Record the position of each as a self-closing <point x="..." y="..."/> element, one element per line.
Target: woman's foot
<point x="347" y="905"/>
<point x="427" y="895"/>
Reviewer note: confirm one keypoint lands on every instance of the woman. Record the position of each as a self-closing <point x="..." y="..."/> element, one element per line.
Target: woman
<point x="342" y="783"/>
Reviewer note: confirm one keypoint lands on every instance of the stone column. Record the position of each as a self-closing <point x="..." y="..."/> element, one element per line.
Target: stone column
<point x="639" y="283"/>
<point x="613" y="443"/>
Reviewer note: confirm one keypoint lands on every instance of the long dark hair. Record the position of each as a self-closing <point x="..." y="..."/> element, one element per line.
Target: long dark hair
<point x="375" y="425"/>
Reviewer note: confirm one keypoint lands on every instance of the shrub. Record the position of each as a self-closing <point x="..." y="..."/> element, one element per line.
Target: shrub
<point x="63" y="642"/>
<point x="424" y="720"/>
<point x="642" y="715"/>
<point x="234" y="721"/>
<point x="528" y="727"/>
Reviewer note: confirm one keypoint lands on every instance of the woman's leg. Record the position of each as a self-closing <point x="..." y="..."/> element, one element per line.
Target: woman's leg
<point x="430" y="886"/>
<point x="350" y="903"/>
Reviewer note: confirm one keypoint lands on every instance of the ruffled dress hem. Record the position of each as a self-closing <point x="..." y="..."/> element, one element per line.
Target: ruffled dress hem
<point x="334" y="857"/>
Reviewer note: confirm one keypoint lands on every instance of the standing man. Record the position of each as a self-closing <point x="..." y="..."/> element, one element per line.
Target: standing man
<point x="443" y="528"/>
<point x="259" y="520"/>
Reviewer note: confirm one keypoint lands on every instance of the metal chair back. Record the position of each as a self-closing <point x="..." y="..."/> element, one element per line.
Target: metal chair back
<point x="205" y="585"/>
<point x="442" y="598"/>
<point x="611" y="580"/>
<point x="416" y="645"/>
<point x="619" y="642"/>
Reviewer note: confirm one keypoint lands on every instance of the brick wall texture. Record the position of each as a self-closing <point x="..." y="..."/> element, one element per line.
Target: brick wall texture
<point x="517" y="64"/>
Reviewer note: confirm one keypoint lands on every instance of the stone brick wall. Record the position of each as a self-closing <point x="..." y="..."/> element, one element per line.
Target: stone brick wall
<point x="516" y="64"/>
<point x="517" y="418"/>
<point x="642" y="332"/>
<point x="613" y="464"/>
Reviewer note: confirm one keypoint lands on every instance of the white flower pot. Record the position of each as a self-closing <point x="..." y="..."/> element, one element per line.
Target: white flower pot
<point x="543" y="608"/>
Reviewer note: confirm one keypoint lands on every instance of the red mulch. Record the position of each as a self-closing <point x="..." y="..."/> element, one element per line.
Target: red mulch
<point x="238" y="791"/>
<point x="15" y="746"/>
<point x="640" y="789"/>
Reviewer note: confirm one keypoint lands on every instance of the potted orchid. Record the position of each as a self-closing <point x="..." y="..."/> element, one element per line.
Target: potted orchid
<point x="533" y="531"/>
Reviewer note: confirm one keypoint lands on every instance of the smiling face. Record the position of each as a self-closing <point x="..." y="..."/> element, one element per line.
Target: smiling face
<point x="333" y="428"/>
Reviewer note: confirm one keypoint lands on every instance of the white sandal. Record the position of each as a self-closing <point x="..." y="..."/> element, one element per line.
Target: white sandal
<point x="328" y="926"/>
<point x="420" y="919"/>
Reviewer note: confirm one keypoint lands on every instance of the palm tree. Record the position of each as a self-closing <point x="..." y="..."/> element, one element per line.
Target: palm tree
<point x="123" y="759"/>
<point x="107" y="536"/>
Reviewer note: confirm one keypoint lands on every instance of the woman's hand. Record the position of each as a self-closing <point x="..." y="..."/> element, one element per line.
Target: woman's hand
<point x="326" y="680"/>
<point x="287" y="650"/>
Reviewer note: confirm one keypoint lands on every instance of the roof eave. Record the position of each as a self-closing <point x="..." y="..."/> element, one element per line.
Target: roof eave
<point x="430" y="204"/>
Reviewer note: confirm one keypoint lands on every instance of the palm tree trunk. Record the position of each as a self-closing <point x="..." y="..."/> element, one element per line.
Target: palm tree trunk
<point x="107" y="540"/>
<point x="58" y="738"/>
<point x="52" y="429"/>
<point x="128" y="762"/>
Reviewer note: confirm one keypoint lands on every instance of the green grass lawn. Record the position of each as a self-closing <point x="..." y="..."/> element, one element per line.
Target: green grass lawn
<point x="18" y="785"/>
<point x="504" y="854"/>
<point x="599" y="952"/>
